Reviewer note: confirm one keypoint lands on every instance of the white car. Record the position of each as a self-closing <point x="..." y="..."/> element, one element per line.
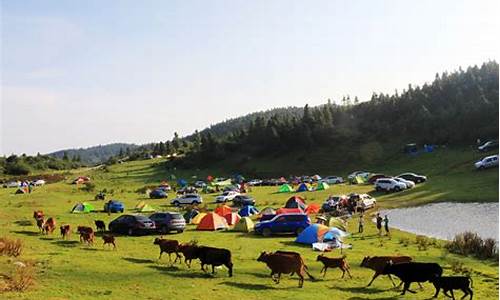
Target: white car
<point x="187" y="199"/>
<point x="200" y="184"/>
<point x="389" y="185"/>
<point x="226" y="196"/>
<point x="409" y="184"/>
<point x="255" y="182"/>
<point x="39" y="182"/>
<point x="333" y="179"/>
<point x="487" y="162"/>
<point x="365" y="202"/>
<point x="358" y="173"/>
<point x="11" y="184"/>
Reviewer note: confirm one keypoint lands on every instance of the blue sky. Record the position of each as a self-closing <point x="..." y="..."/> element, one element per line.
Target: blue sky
<point x="82" y="73"/>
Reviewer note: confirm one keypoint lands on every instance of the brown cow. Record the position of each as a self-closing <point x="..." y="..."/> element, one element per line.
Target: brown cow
<point x="189" y="252"/>
<point x="285" y="263"/>
<point x="82" y="230"/>
<point x="87" y="237"/>
<point x="168" y="246"/>
<point x="378" y="263"/>
<point x="340" y="263"/>
<point x="49" y="226"/>
<point x="109" y="239"/>
<point x="65" y="231"/>
<point x="40" y="219"/>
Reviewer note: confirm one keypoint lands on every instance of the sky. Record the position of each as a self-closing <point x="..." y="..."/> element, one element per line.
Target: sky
<point x="84" y="73"/>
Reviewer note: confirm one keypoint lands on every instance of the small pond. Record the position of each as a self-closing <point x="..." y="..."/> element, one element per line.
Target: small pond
<point x="445" y="220"/>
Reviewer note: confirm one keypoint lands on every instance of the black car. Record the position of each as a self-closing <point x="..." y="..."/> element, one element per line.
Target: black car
<point x="243" y="200"/>
<point x="168" y="221"/>
<point x="132" y="224"/>
<point x="413" y="177"/>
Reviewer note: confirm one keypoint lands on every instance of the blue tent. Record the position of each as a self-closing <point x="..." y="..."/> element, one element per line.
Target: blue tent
<point x="248" y="210"/>
<point x="182" y="182"/>
<point x="302" y="188"/>
<point x="319" y="233"/>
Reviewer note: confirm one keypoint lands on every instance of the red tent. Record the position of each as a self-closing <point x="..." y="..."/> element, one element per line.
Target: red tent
<point x="296" y="202"/>
<point x="212" y="221"/>
<point x="223" y="210"/>
<point x="232" y="218"/>
<point x="284" y="210"/>
<point x="312" y="208"/>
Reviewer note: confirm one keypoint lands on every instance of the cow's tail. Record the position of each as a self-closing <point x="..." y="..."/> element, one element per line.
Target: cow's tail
<point x="308" y="274"/>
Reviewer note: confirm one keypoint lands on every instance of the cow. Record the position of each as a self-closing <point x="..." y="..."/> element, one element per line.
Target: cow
<point x="100" y="225"/>
<point x="65" y="231"/>
<point x="340" y="263"/>
<point x="39" y="218"/>
<point x="87" y="237"/>
<point x="49" y="226"/>
<point x="285" y="262"/>
<point x="378" y="263"/>
<point x="413" y="272"/>
<point x="450" y="283"/>
<point x="189" y="252"/>
<point x="214" y="257"/>
<point x="109" y="239"/>
<point x="82" y="230"/>
<point x="168" y="246"/>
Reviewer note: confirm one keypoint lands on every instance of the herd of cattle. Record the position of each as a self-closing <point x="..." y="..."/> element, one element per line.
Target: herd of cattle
<point x="285" y="262"/>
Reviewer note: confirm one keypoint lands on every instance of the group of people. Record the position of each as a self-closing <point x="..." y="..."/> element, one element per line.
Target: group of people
<point x="379" y="220"/>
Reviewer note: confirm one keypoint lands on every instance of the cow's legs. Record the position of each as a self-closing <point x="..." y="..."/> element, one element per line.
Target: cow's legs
<point x="393" y="283"/>
<point x="301" y="279"/>
<point x="349" y="272"/>
<point x="230" y="268"/>
<point x="437" y="292"/>
<point x="161" y="252"/>
<point x="406" y="287"/>
<point x="213" y="269"/>
<point x="375" y="276"/>
<point x="446" y="293"/>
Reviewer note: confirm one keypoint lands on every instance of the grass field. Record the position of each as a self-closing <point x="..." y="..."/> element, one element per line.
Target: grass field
<point x="69" y="270"/>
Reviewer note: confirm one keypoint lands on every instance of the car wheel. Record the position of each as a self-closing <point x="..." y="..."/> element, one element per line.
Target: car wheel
<point x="299" y="230"/>
<point x="130" y="231"/>
<point x="121" y="211"/>
<point x="266" y="232"/>
<point x="377" y="189"/>
<point x="176" y="203"/>
<point x="397" y="189"/>
<point x="180" y="231"/>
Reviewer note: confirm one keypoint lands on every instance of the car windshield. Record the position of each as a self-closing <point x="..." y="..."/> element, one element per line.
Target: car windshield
<point x="141" y="218"/>
<point x="176" y="216"/>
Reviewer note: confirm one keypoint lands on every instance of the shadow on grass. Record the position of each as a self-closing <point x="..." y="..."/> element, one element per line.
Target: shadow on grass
<point x="260" y="275"/>
<point x="138" y="260"/>
<point x="28" y="233"/>
<point x="178" y="273"/>
<point x="90" y="249"/>
<point x="47" y="238"/>
<point x="24" y="223"/>
<point x="66" y="244"/>
<point x="360" y="289"/>
<point x="292" y="243"/>
<point x="247" y="286"/>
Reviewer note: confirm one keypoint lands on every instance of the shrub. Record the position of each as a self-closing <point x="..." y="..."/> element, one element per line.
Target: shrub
<point x="10" y="247"/>
<point x="470" y="243"/>
<point x="458" y="267"/>
<point x="22" y="278"/>
<point x="17" y="168"/>
<point x="404" y="241"/>
<point x="88" y="186"/>
<point x="422" y="242"/>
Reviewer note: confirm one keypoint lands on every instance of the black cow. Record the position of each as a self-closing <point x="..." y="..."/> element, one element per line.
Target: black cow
<point x="413" y="272"/>
<point x="450" y="283"/>
<point x="215" y="257"/>
<point x="100" y="225"/>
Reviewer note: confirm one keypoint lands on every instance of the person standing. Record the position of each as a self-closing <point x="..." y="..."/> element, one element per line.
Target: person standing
<point x="379" y="224"/>
<point x="361" y="223"/>
<point x="386" y="225"/>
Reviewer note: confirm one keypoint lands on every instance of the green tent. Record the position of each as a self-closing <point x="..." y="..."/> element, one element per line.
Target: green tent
<point x="359" y="180"/>
<point x="322" y="186"/>
<point x="82" y="208"/>
<point x="245" y="224"/>
<point x="286" y="188"/>
<point x="146" y="208"/>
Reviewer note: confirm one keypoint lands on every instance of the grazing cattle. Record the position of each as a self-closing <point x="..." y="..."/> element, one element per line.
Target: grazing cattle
<point x="49" y="226"/>
<point x="84" y="230"/>
<point x="65" y="231"/>
<point x="87" y="237"/>
<point x="413" y="272"/>
<point x="378" y="263"/>
<point x="109" y="239"/>
<point x="450" y="283"/>
<point x="168" y="246"/>
<point x="214" y="257"/>
<point x="39" y="218"/>
<point x="284" y="262"/>
<point x="100" y="225"/>
<point x="340" y="263"/>
<point x="189" y="252"/>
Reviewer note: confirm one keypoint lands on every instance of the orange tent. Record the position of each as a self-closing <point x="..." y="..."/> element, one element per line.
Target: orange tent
<point x="289" y="211"/>
<point x="232" y="218"/>
<point x="223" y="210"/>
<point x="212" y="221"/>
<point x="312" y="208"/>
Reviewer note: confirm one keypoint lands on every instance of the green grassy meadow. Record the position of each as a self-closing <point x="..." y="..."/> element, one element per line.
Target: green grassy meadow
<point x="70" y="270"/>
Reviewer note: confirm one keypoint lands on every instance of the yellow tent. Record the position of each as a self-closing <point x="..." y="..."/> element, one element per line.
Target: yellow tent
<point x="198" y="218"/>
<point x="140" y="205"/>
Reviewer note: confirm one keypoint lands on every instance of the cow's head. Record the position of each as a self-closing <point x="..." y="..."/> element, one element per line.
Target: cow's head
<point x="262" y="256"/>
<point x="319" y="257"/>
<point x="365" y="261"/>
<point x="157" y="241"/>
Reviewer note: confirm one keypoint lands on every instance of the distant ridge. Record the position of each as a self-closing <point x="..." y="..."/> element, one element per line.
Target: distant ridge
<point x="96" y="154"/>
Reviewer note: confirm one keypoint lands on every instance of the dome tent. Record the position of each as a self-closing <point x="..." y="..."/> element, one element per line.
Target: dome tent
<point x="302" y="188"/>
<point x="232" y="218"/>
<point x="212" y="221"/>
<point x="245" y="224"/>
<point x="296" y="202"/>
<point x="82" y="208"/>
<point x="197" y="219"/>
<point x="285" y="188"/>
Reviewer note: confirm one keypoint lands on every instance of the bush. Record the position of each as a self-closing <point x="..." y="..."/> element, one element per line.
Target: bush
<point x="88" y="187"/>
<point x="458" y="268"/>
<point x="17" y="168"/>
<point x="470" y="243"/>
<point x="10" y="247"/>
<point x="404" y="241"/>
<point x="20" y="277"/>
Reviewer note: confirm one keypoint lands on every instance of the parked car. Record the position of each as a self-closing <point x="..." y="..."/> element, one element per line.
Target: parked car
<point x="114" y="206"/>
<point x="332" y="202"/>
<point x="255" y="182"/>
<point x="187" y="190"/>
<point x="413" y="177"/>
<point x="243" y="200"/>
<point x="374" y="178"/>
<point x="187" y="199"/>
<point x="333" y="179"/>
<point x="389" y="185"/>
<point x="38" y="182"/>
<point x="132" y="224"/>
<point x="409" y="184"/>
<point x="11" y="184"/>
<point x="365" y="202"/>
<point x="200" y="184"/>
<point x="487" y="162"/>
<point x="168" y="221"/>
<point x="488" y="146"/>
<point x="226" y="196"/>
<point x="165" y="187"/>
<point x="158" y="194"/>
<point x="285" y="223"/>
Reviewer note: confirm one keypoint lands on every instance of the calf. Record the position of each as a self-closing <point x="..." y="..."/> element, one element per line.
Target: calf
<point x="87" y="237"/>
<point x="109" y="239"/>
<point x="450" y="283"/>
<point x="214" y="257"/>
<point x="49" y="226"/>
<point x="378" y="263"/>
<point x="340" y="263"/>
<point x="39" y="218"/>
<point x="168" y="246"/>
<point x="413" y="272"/>
<point x="82" y="230"/>
<point x="65" y="231"/>
<point x="285" y="262"/>
<point x="189" y="251"/>
<point x="100" y="225"/>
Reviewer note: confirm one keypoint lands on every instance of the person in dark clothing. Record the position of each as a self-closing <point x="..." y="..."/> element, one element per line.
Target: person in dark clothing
<point x="379" y="224"/>
<point x="361" y="224"/>
<point x="386" y="225"/>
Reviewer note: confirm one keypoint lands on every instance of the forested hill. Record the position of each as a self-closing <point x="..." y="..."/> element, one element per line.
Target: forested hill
<point x="97" y="154"/>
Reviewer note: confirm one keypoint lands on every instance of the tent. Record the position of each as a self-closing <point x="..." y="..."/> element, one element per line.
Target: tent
<point x="245" y="224"/>
<point x="302" y="188"/>
<point x="140" y="205"/>
<point x="285" y="210"/>
<point x="322" y="186"/>
<point x="146" y="208"/>
<point x="181" y="182"/>
<point x="358" y="179"/>
<point x="197" y="219"/>
<point x="223" y="210"/>
<point x="316" y="177"/>
<point x="296" y="202"/>
<point x="232" y="218"/>
<point x="286" y="188"/>
<point x="188" y="216"/>
<point x="222" y="183"/>
<point x="268" y="211"/>
<point x="319" y="233"/>
<point x="248" y="210"/>
<point x="21" y="191"/>
<point x="312" y="208"/>
<point x="212" y="221"/>
<point x="337" y="222"/>
<point x="82" y="208"/>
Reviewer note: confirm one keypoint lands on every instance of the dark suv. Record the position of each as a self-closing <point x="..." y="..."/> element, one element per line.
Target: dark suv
<point x="168" y="221"/>
<point x="285" y="223"/>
